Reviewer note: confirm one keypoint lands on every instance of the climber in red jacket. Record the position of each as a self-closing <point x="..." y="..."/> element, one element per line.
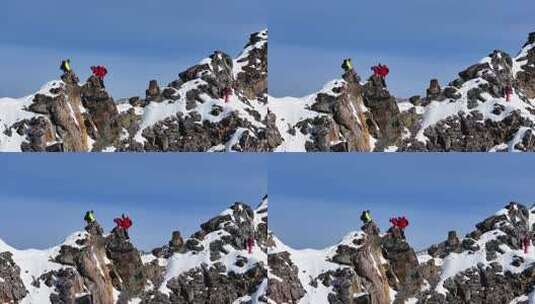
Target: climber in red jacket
<point x="400" y="223"/>
<point x="227" y="91"/>
<point x="526" y="242"/>
<point x="100" y="72"/>
<point x="380" y="70"/>
<point x="250" y="244"/>
<point x="123" y="223"/>
<point x="508" y="91"/>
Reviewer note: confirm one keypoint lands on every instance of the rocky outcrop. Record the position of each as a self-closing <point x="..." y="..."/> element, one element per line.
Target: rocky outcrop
<point x="251" y="79"/>
<point x="189" y="114"/>
<point x="12" y="288"/>
<point x="284" y="285"/>
<point x="384" y="113"/>
<point x="487" y="266"/>
<point x="471" y="113"/>
<point x="212" y="266"/>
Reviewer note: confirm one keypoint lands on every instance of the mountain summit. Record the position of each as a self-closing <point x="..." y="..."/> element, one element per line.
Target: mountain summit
<point x="489" y="265"/>
<point x="213" y="266"/>
<point x="490" y="107"/>
<point x="218" y="104"/>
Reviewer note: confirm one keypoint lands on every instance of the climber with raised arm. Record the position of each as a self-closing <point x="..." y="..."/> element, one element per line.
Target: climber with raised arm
<point x="123" y="224"/>
<point x="399" y="224"/>
<point x="100" y="72"/>
<point x="381" y="71"/>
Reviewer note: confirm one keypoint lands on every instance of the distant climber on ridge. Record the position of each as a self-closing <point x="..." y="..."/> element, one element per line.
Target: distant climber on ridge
<point x="366" y="217"/>
<point x="526" y="243"/>
<point x="89" y="217"/>
<point x="250" y="244"/>
<point x="349" y="73"/>
<point x="123" y="224"/>
<point x="227" y="91"/>
<point x="347" y="65"/>
<point x="100" y="72"/>
<point x="507" y="92"/>
<point x="66" y="66"/>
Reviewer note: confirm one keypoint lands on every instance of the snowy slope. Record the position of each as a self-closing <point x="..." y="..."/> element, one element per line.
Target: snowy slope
<point x="33" y="263"/>
<point x="312" y="263"/>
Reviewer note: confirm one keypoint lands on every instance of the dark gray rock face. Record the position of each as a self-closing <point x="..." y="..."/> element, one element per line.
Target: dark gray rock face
<point x="212" y="285"/>
<point x="252" y="80"/>
<point x="434" y="92"/>
<point x="102" y="118"/>
<point x="343" y="128"/>
<point x="12" y="289"/>
<point x="127" y="275"/>
<point x="288" y="289"/>
<point x="525" y="79"/>
<point x="385" y="112"/>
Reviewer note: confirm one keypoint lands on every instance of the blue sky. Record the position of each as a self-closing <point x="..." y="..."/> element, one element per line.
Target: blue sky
<point x="315" y="199"/>
<point x="138" y="40"/>
<point x="43" y="198"/>
<point x="418" y="39"/>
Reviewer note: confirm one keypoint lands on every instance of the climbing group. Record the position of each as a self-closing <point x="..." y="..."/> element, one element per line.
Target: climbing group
<point x="399" y="224"/>
<point x="122" y="223"/>
<point x="380" y="70"/>
<point x="98" y="71"/>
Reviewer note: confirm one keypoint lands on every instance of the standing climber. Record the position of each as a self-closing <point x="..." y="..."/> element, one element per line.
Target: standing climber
<point x="381" y="71"/>
<point x="526" y="242"/>
<point x="250" y="244"/>
<point x="89" y="217"/>
<point x="123" y="224"/>
<point x="366" y="217"/>
<point x="227" y="91"/>
<point x="66" y="66"/>
<point x="507" y="92"/>
<point x="347" y="65"/>
<point x="400" y="223"/>
<point x="100" y="72"/>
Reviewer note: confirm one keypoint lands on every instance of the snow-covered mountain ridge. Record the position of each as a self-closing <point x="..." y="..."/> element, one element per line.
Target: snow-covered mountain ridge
<point x="189" y="114"/>
<point x="470" y="113"/>
<point x="488" y="265"/>
<point x="211" y="266"/>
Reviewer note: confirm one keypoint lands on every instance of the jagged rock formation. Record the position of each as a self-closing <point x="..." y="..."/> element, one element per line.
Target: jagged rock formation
<point x="354" y="271"/>
<point x="213" y="266"/>
<point x="189" y="114"/>
<point x="334" y="119"/>
<point x="468" y="114"/>
<point x="487" y="266"/>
